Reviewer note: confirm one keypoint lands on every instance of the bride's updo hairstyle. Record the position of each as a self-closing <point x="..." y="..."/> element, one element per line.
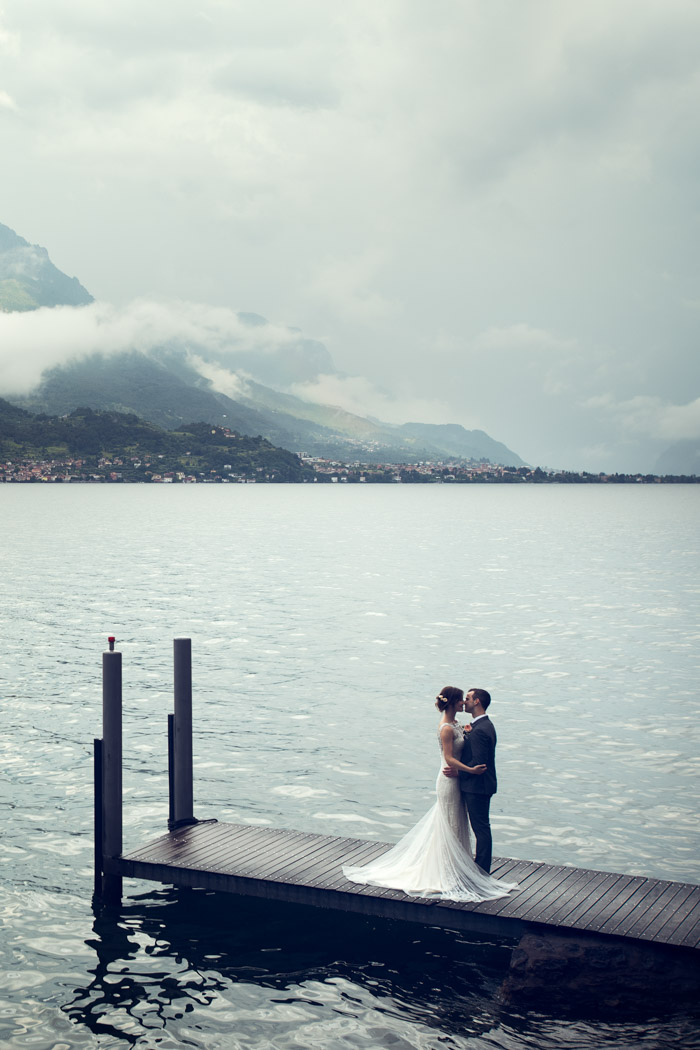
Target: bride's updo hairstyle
<point x="448" y="696"/>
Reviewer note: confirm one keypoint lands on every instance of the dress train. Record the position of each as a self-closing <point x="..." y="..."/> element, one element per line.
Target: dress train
<point x="434" y="859"/>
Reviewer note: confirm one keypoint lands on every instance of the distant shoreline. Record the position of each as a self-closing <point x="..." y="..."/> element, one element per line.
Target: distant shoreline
<point x="51" y="472"/>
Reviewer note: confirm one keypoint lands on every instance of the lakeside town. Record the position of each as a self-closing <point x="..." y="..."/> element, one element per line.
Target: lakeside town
<point x="87" y="446"/>
<point x="155" y="470"/>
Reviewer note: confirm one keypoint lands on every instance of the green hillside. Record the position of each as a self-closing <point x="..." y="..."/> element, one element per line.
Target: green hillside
<point x="92" y="437"/>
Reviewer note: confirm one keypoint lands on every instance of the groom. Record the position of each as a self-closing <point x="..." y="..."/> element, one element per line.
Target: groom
<point x="477" y="789"/>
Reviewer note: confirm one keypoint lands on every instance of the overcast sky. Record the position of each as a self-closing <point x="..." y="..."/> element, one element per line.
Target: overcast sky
<point x="486" y="209"/>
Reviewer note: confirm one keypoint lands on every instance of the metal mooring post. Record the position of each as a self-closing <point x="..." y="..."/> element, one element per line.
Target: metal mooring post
<point x="111" y="768"/>
<point x="182" y="794"/>
<point x="97" y="785"/>
<point x="171" y="771"/>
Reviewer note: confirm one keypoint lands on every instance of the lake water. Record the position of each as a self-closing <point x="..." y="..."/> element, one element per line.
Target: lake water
<point x="323" y="622"/>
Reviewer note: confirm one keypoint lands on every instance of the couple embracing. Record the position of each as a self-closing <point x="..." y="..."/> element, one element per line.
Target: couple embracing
<point x="434" y="859"/>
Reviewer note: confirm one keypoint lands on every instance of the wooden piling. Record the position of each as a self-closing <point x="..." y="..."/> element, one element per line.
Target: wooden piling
<point x="111" y="769"/>
<point x="171" y="771"/>
<point x="97" y="816"/>
<point x="183" y="790"/>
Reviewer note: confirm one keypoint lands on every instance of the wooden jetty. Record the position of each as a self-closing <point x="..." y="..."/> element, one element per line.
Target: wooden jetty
<point x="304" y="868"/>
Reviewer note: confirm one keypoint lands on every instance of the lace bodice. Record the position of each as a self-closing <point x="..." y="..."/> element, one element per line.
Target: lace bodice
<point x="457" y="739"/>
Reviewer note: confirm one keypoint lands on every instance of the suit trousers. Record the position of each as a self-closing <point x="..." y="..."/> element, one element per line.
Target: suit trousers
<point x="478" y="810"/>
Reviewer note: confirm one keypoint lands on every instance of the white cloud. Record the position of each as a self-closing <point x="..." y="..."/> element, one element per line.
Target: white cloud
<point x="222" y="379"/>
<point x="358" y="395"/>
<point x="36" y="340"/>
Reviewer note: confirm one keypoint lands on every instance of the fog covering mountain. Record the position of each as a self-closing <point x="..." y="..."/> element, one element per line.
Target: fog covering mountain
<point x="244" y="385"/>
<point x="681" y="458"/>
<point x="169" y="392"/>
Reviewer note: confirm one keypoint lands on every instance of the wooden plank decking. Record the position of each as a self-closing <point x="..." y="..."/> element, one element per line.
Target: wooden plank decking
<point x="306" y="869"/>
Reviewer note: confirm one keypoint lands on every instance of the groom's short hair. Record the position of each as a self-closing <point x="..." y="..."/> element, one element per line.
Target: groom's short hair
<point x="482" y="696"/>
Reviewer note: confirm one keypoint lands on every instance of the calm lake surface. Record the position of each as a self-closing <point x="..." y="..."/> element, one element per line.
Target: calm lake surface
<point x="323" y="622"/>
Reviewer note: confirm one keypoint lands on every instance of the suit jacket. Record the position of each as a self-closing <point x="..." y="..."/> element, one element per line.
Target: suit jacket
<point x="480" y="747"/>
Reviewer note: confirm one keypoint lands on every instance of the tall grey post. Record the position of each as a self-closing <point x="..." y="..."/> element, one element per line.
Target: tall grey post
<point x="111" y="768"/>
<point x="183" y="802"/>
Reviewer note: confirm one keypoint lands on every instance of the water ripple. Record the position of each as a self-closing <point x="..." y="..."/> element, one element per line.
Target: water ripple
<point x="578" y="609"/>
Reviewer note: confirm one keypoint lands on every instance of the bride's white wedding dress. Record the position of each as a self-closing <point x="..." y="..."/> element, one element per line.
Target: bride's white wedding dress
<point x="434" y="859"/>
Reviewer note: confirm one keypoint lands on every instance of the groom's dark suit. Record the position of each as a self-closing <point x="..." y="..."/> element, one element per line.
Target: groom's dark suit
<point x="477" y="789"/>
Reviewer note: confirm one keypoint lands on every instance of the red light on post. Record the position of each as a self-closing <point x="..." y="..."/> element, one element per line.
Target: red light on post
<point x="111" y="641"/>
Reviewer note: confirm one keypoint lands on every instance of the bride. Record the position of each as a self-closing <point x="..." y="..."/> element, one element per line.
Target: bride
<point x="434" y="859"/>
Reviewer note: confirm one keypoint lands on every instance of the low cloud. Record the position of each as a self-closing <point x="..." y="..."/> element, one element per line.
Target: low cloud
<point x="32" y="342"/>
<point x="222" y="379"/>
<point x="220" y="344"/>
<point x="358" y="395"/>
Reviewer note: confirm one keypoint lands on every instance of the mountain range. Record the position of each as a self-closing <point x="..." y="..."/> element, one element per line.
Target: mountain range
<point x="250" y="382"/>
<point x="166" y="390"/>
<point x="252" y="389"/>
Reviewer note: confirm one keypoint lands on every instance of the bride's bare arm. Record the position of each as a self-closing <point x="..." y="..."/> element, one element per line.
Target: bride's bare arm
<point x="453" y="764"/>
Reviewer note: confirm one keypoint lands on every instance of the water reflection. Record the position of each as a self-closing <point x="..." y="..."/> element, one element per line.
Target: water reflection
<point x="211" y="970"/>
<point x="165" y="956"/>
<point x="127" y="996"/>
